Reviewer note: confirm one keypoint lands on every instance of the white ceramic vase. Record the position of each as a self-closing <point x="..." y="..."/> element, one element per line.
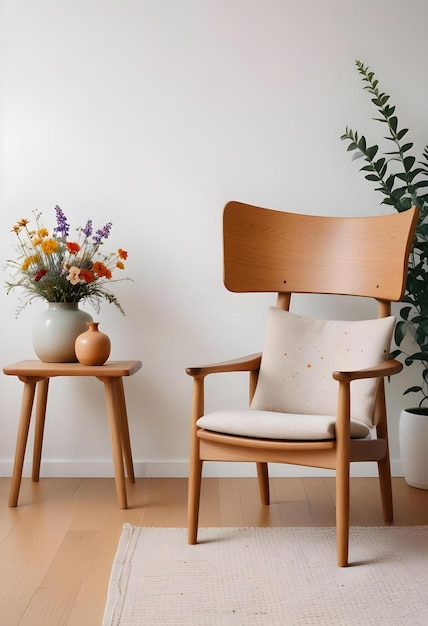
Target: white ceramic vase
<point x="413" y="436"/>
<point x="56" y="329"/>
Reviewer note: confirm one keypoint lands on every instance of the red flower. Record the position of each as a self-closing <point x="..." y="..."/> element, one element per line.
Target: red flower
<point x="72" y="247"/>
<point x="87" y="276"/>
<point x="40" y="275"/>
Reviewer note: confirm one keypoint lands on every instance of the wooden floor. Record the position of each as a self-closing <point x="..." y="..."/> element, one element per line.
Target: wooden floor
<point x="57" y="546"/>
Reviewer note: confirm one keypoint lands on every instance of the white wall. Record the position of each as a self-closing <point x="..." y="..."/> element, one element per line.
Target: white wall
<point x="153" y="114"/>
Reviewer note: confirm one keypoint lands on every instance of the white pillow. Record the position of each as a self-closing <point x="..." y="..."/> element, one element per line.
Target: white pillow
<point x="301" y="353"/>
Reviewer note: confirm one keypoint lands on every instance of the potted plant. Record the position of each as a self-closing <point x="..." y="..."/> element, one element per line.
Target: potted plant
<point x="403" y="181"/>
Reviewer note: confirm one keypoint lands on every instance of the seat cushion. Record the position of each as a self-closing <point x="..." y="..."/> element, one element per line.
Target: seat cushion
<point x="301" y="353"/>
<point x="275" y="425"/>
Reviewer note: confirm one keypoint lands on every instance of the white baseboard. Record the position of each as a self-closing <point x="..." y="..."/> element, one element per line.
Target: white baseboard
<point x="179" y="469"/>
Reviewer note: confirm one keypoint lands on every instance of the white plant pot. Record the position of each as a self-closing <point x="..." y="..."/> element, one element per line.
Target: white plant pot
<point x="413" y="436"/>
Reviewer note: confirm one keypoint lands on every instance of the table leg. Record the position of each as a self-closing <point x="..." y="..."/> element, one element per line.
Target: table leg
<point x="21" y="440"/>
<point x="114" y="419"/>
<point x="41" y="402"/>
<point x="124" y="429"/>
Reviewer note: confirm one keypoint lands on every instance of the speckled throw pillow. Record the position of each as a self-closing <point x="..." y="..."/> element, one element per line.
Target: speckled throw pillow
<point x="301" y="353"/>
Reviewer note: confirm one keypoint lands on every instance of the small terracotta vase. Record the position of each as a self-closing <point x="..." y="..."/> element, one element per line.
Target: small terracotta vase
<point x="92" y="347"/>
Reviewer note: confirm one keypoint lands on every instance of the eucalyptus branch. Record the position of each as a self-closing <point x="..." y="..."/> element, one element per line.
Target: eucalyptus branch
<point x="403" y="197"/>
<point x="403" y="187"/>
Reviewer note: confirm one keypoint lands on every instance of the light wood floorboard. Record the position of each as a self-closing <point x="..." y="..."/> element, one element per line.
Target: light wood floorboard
<point x="57" y="546"/>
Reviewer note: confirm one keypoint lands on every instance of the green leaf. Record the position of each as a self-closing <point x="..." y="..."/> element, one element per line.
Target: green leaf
<point x="401" y="133"/>
<point x="362" y="144"/>
<point x="405" y="311"/>
<point x="408" y="163"/>
<point x="371" y="152"/>
<point x="389" y="111"/>
<point x="379" y="164"/>
<point x="383" y="171"/>
<point x="399" y="333"/>
<point x="393" y="123"/>
<point x="418" y="356"/>
<point x="389" y="183"/>
<point x="412" y="390"/>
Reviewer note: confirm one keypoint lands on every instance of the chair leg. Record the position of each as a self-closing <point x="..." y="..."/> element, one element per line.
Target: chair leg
<point x="194" y="496"/>
<point x="384" y="469"/>
<point x="263" y="476"/>
<point x="342" y="513"/>
<point x="342" y="519"/>
<point x="342" y="472"/>
<point x="384" y="465"/>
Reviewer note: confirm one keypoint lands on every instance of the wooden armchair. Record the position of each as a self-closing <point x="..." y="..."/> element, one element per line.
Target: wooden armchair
<point x="316" y="391"/>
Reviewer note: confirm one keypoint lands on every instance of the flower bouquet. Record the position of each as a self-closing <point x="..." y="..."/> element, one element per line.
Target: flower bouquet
<point x="61" y="268"/>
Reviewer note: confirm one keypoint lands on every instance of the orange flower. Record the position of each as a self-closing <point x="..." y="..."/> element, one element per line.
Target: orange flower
<point x="100" y="269"/>
<point x="122" y="254"/>
<point x="21" y="224"/>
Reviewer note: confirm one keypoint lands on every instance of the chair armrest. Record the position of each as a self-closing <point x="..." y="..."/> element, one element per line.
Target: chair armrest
<point x="243" y="364"/>
<point x="386" y="368"/>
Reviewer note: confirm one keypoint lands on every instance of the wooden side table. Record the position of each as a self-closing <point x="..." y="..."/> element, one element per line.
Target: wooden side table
<point x="36" y="375"/>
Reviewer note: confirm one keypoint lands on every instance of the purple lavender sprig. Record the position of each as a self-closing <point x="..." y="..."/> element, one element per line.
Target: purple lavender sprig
<point x="62" y="226"/>
<point x="87" y="231"/>
<point x="102" y="233"/>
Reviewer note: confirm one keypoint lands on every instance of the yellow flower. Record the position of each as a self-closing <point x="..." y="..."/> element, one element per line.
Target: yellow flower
<point x="49" y="246"/>
<point x="28" y="261"/>
<point x="36" y="241"/>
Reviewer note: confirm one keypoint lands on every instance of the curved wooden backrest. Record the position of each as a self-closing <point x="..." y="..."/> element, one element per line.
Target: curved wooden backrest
<point x="276" y="251"/>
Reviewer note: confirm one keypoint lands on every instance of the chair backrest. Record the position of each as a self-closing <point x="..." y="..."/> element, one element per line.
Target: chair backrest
<point x="275" y="251"/>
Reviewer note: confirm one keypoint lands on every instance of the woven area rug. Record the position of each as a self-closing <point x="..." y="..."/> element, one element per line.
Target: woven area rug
<point x="268" y="576"/>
